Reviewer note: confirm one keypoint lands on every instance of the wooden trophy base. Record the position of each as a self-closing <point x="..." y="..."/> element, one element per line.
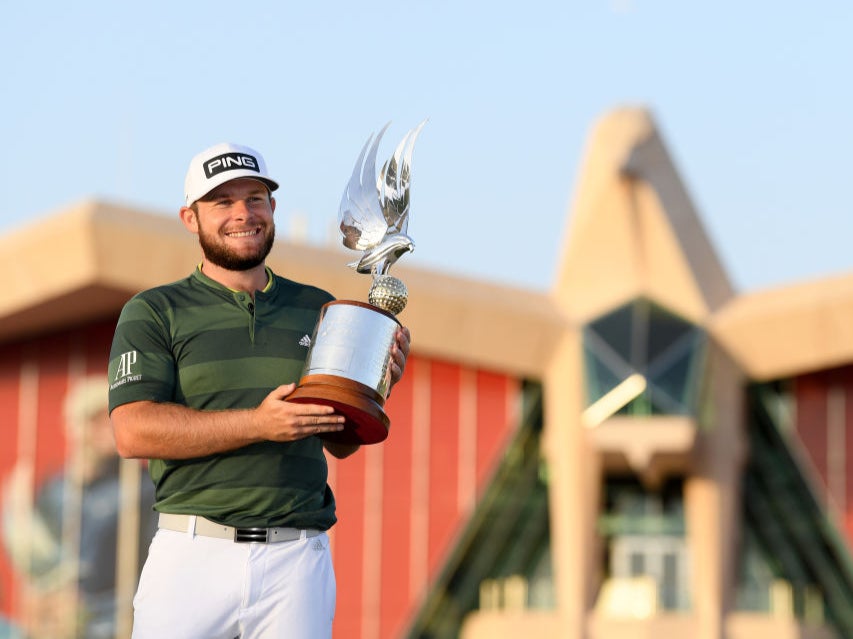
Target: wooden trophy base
<point x="366" y="422"/>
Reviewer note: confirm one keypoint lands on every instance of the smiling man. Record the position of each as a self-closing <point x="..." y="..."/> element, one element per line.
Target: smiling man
<point x="200" y="371"/>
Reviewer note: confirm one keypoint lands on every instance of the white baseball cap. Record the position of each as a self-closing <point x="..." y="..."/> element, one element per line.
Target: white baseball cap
<point x="222" y="163"/>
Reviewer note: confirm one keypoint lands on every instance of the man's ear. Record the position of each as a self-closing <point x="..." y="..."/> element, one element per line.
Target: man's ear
<point x="272" y="203"/>
<point x="190" y="219"/>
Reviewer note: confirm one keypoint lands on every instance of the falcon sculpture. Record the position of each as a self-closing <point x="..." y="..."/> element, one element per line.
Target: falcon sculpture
<point x="374" y="212"/>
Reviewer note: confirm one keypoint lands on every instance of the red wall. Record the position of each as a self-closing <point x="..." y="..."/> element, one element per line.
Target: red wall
<point x="400" y="503"/>
<point x="824" y="422"/>
<point x="34" y="377"/>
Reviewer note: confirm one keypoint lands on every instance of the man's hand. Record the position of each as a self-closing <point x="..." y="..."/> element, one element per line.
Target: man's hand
<point x="399" y="354"/>
<point x="282" y="421"/>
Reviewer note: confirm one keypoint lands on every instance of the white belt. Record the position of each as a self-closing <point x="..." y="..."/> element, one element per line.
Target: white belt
<point x="207" y="528"/>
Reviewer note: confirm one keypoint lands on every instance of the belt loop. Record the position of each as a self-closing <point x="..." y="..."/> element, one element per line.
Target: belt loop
<point x="191" y="526"/>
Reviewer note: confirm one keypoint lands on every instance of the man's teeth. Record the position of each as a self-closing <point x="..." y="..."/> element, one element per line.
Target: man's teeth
<point x="242" y="234"/>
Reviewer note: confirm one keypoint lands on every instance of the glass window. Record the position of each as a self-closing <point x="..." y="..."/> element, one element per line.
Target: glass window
<point x="645" y="338"/>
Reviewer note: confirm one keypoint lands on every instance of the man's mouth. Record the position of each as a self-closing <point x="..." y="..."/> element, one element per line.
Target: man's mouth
<point x="243" y="233"/>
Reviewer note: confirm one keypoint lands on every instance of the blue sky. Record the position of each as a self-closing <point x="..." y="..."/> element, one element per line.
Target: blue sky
<point x="110" y="99"/>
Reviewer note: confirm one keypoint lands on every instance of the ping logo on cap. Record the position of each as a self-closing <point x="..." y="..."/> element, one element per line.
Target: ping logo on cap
<point x="229" y="162"/>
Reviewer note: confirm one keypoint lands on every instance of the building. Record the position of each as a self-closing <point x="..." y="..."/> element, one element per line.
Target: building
<point x="642" y="451"/>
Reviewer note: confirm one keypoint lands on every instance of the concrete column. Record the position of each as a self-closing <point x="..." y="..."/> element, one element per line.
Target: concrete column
<point x="574" y="483"/>
<point x="713" y="498"/>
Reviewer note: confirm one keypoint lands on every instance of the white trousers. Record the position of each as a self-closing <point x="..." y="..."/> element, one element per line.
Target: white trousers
<point x="195" y="587"/>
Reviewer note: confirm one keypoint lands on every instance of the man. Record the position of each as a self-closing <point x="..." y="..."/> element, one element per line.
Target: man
<point x="200" y="370"/>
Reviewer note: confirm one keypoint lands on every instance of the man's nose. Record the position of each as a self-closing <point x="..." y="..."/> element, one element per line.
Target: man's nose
<point x="241" y="207"/>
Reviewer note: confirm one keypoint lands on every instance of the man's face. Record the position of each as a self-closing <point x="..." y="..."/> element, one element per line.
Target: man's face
<point x="235" y="224"/>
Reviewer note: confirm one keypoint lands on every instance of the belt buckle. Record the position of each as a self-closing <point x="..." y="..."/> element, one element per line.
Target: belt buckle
<point x="248" y="535"/>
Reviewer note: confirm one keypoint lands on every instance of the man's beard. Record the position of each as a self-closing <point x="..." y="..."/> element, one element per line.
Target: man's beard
<point x="216" y="252"/>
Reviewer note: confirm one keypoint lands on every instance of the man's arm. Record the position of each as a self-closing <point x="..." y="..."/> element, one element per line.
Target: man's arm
<point x="154" y="430"/>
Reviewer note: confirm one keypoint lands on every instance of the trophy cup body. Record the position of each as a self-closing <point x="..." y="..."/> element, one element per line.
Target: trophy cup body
<point x="348" y="361"/>
<point x="347" y="368"/>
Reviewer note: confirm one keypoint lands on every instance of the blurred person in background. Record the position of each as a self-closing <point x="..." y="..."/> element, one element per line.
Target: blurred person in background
<point x="67" y="542"/>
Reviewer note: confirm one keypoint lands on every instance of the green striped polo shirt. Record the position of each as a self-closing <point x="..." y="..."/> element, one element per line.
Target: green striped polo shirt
<point x="197" y="343"/>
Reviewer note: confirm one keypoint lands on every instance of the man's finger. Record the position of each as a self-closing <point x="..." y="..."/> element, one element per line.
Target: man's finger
<point x="284" y="390"/>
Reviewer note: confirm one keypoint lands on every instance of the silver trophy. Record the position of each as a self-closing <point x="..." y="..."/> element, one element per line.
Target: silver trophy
<point x="348" y="363"/>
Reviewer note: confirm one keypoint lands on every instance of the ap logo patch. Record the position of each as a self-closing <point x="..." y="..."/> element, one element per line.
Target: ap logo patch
<point x="126" y="371"/>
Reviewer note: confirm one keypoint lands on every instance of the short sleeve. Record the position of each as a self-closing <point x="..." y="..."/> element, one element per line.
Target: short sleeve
<point x="142" y="366"/>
